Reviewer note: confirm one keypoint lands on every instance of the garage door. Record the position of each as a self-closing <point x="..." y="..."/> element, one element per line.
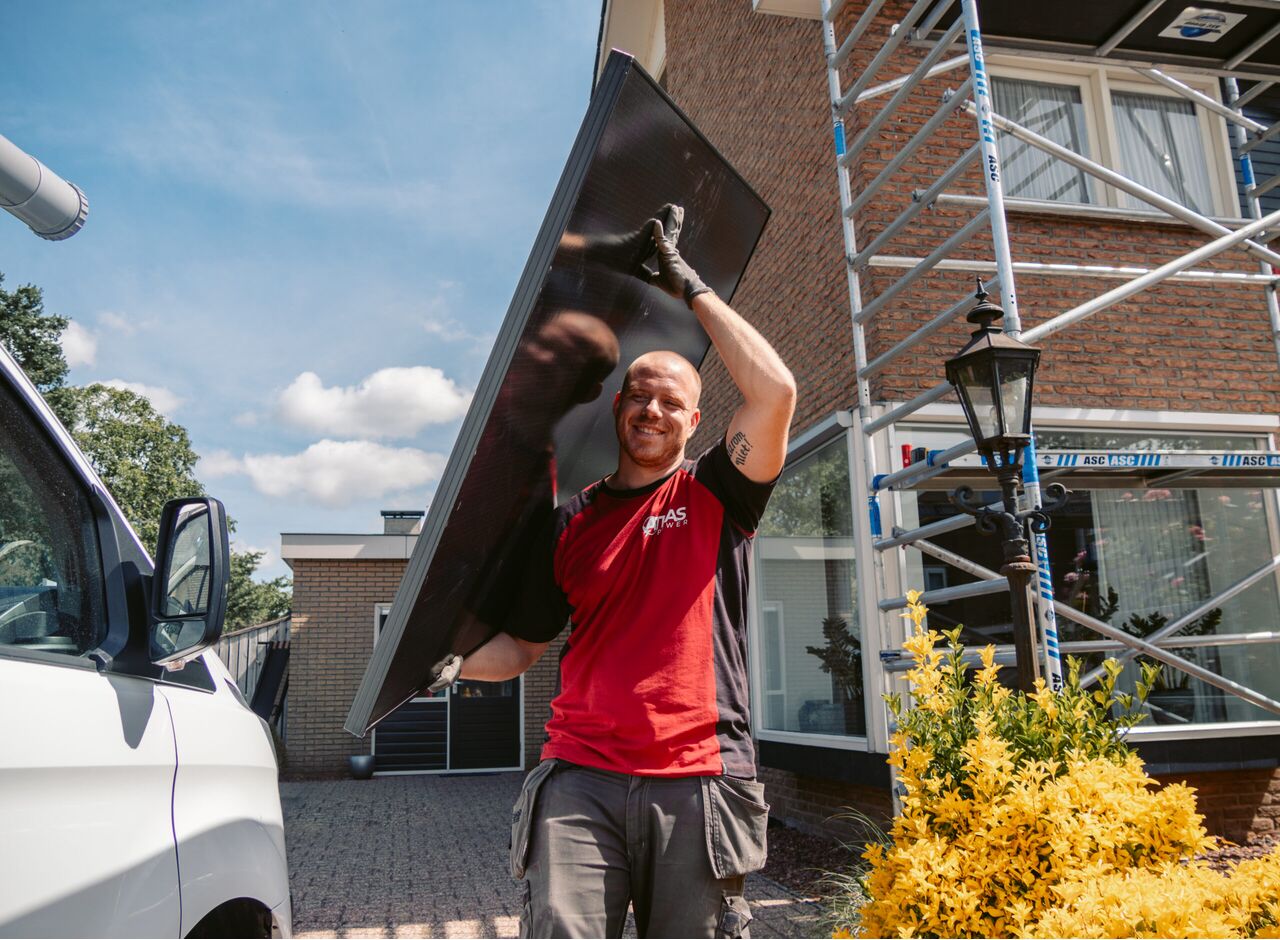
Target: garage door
<point x="473" y="726"/>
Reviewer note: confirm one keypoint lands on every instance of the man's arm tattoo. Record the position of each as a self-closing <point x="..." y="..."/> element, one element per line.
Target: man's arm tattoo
<point x="739" y="448"/>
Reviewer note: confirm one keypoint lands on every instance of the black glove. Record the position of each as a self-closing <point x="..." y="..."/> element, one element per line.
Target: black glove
<point x="631" y="253"/>
<point x="445" y="672"/>
<point x="674" y="274"/>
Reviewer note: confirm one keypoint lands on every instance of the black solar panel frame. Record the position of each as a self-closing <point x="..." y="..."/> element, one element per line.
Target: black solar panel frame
<point x="373" y="701"/>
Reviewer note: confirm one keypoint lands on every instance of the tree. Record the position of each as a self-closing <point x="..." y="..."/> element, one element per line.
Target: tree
<point x="813" y="499"/>
<point x="250" y="602"/>
<point x="144" y="459"/>
<point x="32" y="336"/>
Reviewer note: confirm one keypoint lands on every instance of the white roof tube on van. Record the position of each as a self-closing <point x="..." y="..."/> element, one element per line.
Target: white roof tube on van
<point x="54" y="208"/>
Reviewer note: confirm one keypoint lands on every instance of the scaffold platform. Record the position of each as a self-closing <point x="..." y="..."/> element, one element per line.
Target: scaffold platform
<point x="1106" y="469"/>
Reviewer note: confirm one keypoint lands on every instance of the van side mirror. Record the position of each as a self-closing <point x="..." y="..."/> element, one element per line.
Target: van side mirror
<point x="189" y="590"/>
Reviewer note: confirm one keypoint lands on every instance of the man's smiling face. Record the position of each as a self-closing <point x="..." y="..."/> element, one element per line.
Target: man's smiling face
<point x="656" y="412"/>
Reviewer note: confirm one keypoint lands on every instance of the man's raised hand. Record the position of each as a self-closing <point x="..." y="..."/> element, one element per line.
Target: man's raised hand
<point x="674" y="274"/>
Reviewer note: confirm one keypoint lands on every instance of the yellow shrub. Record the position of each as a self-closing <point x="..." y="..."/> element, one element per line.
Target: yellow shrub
<point x="1181" y="900"/>
<point x="1027" y="816"/>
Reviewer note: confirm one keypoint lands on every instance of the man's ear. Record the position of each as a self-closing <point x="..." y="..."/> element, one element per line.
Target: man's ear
<point x="693" y="421"/>
<point x="617" y="398"/>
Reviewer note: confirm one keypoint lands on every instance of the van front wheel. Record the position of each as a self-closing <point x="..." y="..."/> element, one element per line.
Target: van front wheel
<point x="243" y="917"/>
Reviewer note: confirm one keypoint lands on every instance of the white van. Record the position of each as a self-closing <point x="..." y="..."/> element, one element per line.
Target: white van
<point x="138" y="792"/>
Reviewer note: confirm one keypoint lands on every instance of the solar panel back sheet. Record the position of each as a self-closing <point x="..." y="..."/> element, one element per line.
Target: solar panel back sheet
<point x="540" y="427"/>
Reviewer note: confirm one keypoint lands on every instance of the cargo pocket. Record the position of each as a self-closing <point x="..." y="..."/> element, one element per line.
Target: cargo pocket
<point x="736" y="819"/>
<point x="735" y="915"/>
<point x="522" y="816"/>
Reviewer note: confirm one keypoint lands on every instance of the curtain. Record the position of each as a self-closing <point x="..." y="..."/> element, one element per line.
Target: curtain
<point x="1150" y="550"/>
<point x="1053" y="111"/>
<point x="1161" y="147"/>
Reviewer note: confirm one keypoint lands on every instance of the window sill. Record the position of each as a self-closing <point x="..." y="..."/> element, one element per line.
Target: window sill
<point x="841" y="742"/>
<point x="1202" y="732"/>
<point x="1085" y="212"/>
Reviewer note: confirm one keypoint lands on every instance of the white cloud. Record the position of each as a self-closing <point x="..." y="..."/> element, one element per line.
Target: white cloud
<point x="219" y="463"/>
<point x="246" y="419"/>
<point x="117" y="322"/>
<point x="338" y="473"/>
<point x="79" y="345"/>
<point x="394" y="402"/>
<point x="162" y="400"/>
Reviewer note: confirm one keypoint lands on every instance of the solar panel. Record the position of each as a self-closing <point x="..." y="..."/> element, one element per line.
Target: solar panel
<point x="540" y="426"/>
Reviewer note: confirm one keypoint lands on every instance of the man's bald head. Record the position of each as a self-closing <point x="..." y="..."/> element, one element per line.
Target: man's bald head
<point x="666" y="363"/>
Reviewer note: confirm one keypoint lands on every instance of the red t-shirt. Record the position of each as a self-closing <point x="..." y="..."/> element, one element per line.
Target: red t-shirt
<point x="654" y="582"/>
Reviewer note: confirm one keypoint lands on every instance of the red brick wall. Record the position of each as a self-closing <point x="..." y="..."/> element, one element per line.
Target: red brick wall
<point x="1239" y="804"/>
<point x="331" y="639"/>
<point x="756" y="86"/>
<point x="1178" y="347"/>
<point x="825" y="807"/>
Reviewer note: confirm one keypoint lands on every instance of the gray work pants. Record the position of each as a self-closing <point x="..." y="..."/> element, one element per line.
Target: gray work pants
<point x="678" y="849"/>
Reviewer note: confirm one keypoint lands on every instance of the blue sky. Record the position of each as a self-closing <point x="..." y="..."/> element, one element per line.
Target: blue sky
<point x="306" y="221"/>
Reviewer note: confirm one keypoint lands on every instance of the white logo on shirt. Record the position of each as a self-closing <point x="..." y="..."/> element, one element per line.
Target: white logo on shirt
<point x="671" y="519"/>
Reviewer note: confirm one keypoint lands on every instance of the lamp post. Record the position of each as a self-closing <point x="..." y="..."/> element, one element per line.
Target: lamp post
<point x="994" y="376"/>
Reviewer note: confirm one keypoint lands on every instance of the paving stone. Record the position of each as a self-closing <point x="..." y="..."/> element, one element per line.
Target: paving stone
<point x="426" y="856"/>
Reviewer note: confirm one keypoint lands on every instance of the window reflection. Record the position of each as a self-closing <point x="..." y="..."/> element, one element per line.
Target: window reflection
<point x="1138" y="558"/>
<point x="808" y="642"/>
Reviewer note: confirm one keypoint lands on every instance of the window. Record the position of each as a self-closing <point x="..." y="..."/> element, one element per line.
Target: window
<point x="51" y="591"/>
<point x="808" y="642"/>
<point x="1160" y="148"/>
<point x="1053" y="111"/>
<point x="1144" y="131"/>
<point x="1138" y="557"/>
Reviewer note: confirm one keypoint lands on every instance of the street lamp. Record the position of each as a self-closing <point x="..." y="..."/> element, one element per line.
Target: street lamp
<point x="994" y="375"/>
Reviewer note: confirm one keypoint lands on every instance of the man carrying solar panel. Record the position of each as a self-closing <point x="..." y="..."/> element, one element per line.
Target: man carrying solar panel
<point x="646" y="792"/>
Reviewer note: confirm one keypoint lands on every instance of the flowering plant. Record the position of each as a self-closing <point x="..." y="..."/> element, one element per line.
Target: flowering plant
<point x="1027" y="815"/>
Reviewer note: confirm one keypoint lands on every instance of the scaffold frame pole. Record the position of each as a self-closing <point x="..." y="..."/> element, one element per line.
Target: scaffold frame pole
<point x="875" y="576"/>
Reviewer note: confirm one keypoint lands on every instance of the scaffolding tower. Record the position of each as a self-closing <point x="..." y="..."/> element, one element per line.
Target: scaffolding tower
<point x="921" y="26"/>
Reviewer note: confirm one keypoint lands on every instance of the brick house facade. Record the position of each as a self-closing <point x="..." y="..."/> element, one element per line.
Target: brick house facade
<point x="1180" y="357"/>
<point x="334" y="600"/>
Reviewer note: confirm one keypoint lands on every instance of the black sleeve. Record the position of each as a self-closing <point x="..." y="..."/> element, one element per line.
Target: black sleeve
<point x="541" y="609"/>
<point x="744" y="500"/>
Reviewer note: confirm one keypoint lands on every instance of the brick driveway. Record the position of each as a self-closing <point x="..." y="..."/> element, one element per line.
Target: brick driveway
<point x="426" y="856"/>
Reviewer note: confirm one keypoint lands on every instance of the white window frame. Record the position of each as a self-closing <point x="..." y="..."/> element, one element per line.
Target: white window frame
<point x="779" y="612"/>
<point x="835" y="427"/>
<point x="1096" y="83"/>
<point x="1263" y="426"/>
